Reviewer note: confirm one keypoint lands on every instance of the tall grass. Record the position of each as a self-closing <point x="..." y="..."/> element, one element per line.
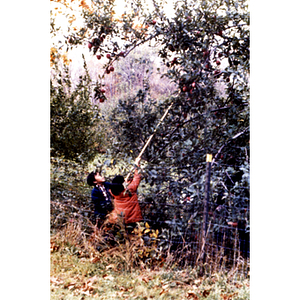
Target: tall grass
<point x="128" y="266"/>
<point x="138" y="249"/>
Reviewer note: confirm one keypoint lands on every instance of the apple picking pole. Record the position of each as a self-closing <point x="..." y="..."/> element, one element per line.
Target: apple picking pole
<point x="150" y="138"/>
<point x="206" y="206"/>
<point x="207" y="190"/>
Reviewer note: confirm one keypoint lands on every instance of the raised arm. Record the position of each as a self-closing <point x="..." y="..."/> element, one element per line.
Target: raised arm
<point x="136" y="177"/>
<point x="135" y="181"/>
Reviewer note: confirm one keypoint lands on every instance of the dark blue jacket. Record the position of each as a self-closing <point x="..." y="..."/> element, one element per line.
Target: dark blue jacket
<point x="101" y="206"/>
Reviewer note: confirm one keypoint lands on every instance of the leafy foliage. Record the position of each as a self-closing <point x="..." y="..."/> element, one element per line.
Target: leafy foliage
<point x="75" y="122"/>
<point x="205" y="48"/>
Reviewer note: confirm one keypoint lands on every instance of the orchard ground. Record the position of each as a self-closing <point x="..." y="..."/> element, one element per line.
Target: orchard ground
<point x="104" y="276"/>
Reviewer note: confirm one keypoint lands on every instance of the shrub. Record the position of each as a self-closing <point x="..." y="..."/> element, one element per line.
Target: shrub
<point x="75" y="126"/>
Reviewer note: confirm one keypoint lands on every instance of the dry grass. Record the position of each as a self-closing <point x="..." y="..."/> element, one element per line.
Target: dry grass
<point x="84" y="279"/>
<point x="89" y="266"/>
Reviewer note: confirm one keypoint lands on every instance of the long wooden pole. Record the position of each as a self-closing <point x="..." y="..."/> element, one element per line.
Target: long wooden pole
<point x="204" y="230"/>
<point x="150" y="138"/>
<point x="206" y="205"/>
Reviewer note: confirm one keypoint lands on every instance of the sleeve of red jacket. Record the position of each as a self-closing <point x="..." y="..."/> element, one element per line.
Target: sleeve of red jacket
<point x="135" y="181"/>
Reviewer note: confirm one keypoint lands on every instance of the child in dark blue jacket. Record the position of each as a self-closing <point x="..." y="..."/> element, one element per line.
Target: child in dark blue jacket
<point x="101" y="197"/>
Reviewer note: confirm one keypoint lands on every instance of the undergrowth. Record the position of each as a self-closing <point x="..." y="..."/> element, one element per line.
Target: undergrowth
<point x="109" y="263"/>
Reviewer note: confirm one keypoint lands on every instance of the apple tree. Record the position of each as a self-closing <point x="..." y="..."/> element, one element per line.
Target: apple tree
<point x="205" y="47"/>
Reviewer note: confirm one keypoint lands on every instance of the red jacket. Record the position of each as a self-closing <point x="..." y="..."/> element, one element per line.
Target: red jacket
<point x="127" y="203"/>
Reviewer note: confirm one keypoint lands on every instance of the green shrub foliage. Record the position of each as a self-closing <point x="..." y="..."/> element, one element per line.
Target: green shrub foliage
<point x="75" y="122"/>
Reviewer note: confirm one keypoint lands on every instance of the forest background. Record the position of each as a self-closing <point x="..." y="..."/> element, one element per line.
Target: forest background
<point x="273" y="139"/>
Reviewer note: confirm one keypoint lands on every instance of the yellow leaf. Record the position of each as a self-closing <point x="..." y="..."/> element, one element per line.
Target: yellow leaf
<point x="146" y="231"/>
<point x="147" y="225"/>
<point x="154" y="235"/>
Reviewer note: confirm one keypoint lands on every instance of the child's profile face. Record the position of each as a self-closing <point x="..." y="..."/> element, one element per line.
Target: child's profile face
<point x="99" y="178"/>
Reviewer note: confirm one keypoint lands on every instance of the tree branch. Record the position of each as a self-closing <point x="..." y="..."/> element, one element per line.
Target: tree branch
<point x="133" y="46"/>
<point x="234" y="137"/>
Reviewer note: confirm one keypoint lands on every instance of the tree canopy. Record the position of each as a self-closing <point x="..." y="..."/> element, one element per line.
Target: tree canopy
<point x="204" y="46"/>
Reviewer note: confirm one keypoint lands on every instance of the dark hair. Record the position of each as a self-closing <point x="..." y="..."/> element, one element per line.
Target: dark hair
<point x="91" y="178"/>
<point x="117" y="185"/>
<point x="118" y="179"/>
<point x="116" y="188"/>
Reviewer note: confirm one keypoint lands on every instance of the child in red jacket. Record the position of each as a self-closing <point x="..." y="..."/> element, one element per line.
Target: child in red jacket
<point x="126" y="200"/>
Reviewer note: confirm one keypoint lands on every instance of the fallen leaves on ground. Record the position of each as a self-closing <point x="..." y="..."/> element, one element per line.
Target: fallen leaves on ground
<point x="228" y="296"/>
<point x="144" y="278"/>
<point x="56" y="281"/>
<point x="78" y="277"/>
<point x="192" y="295"/>
<point x="76" y="285"/>
<point x="205" y="293"/>
<point x="108" y="277"/>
